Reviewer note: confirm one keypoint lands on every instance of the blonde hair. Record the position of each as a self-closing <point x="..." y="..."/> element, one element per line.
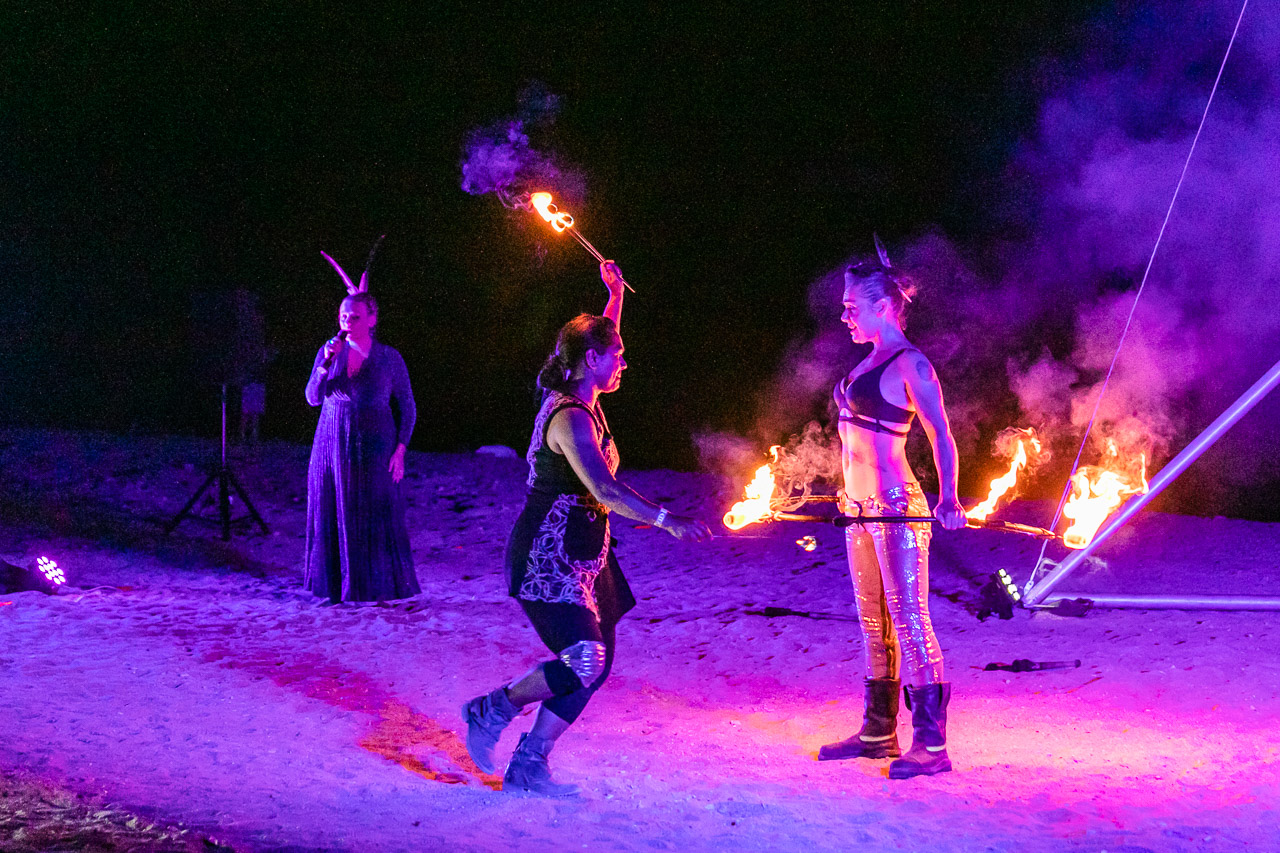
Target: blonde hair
<point x="876" y="281"/>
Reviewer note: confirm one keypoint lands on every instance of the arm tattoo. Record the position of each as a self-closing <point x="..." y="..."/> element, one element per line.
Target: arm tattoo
<point x="923" y="370"/>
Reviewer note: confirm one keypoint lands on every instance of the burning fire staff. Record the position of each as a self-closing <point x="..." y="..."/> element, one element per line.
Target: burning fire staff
<point x="889" y="562"/>
<point x="560" y="566"/>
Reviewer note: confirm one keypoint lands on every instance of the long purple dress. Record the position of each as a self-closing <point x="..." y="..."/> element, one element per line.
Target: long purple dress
<point x="357" y="541"/>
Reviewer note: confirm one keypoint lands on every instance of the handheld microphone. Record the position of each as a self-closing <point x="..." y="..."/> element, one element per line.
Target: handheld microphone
<point x="328" y="362"/>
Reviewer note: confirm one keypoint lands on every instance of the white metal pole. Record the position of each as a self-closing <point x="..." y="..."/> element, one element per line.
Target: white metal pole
<point x="1174" y="602"/>
<point x="1036" y="592"/>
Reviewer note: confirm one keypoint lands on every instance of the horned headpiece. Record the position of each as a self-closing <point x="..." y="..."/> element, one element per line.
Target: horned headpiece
<point x="903" y="289"/>
<point x="363" y="286"/>
<point x="881" y="251"/>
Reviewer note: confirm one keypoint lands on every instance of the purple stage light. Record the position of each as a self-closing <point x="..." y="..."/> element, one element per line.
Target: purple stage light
<point x="51" y="572"/>
<point x="43" y="576"/>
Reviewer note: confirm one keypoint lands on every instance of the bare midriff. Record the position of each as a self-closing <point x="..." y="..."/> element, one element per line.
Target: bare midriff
<point x="872" y="461"/>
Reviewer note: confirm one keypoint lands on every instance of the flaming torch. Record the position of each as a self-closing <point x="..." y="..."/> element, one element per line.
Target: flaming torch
<point x="560" y="220"/>
<point x="757" y="505"/>
<point x="762" y="502"/>
<point x="1026" y="449"/>
<point x="1096" y="492"/>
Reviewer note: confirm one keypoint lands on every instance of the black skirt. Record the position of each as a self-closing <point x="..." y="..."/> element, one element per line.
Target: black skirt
<point x="578" y="530"/>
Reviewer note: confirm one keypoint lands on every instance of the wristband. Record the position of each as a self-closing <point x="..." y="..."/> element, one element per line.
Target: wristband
<point x="662" y="516"/>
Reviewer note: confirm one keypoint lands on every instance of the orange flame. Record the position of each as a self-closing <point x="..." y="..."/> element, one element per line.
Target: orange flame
<point x="1025" y="448"/>
<point x="559" y="219"/>
<point x="1096" y="492"/>
<point x="758" y="497"/>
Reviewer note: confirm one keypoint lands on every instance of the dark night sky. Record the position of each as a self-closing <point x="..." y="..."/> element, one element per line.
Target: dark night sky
<point x="149" y="155"/>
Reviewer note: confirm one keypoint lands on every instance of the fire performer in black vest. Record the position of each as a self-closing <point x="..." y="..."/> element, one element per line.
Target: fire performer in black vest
<point x="560" y="566"/>
<point x="889" y="562"/>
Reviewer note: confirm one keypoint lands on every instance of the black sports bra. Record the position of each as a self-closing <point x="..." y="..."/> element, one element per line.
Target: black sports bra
<point x="867" y="406"/>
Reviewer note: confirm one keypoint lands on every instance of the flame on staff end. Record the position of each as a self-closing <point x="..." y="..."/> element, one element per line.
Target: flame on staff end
<point x="1026" y="449"/>
<point x="1097" y="491"/>
<point x="758" y="497"/>
<point x="559" y="219"/>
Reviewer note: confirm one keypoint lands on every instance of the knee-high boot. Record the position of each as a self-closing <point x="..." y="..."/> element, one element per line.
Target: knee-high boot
<point x="878" y="737"/>
<point x="928" y="753"/>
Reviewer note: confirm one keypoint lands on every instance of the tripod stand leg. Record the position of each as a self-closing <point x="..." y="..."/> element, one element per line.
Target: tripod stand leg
<point x="182" y="513"/>
<point x="224" y="503"/>
<point x="247" y="503"/>
<point x="226" y="482"/>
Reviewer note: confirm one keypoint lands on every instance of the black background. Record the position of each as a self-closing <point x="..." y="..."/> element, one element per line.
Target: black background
<point x="151" y="155"/>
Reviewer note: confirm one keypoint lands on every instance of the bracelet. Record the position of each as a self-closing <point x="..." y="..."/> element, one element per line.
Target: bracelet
<point x="662" y="516"/>
<point x="323" y="371"/>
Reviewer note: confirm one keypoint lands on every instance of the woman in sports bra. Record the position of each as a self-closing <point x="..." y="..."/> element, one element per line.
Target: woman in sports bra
<point x="878" y="401"/>
<point x="560" y="564"/>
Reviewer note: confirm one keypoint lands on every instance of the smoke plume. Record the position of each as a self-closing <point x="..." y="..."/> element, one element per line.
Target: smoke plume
<point x="500" y="157"/>
<point x="1104" y="162"/>
<point x="1022" y="327"/>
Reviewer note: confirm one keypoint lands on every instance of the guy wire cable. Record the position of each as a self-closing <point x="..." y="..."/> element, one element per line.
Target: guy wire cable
<point x="1057" y="516"/>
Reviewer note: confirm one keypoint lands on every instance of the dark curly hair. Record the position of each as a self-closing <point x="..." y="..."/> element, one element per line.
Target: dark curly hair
<point x="586" y="331"/>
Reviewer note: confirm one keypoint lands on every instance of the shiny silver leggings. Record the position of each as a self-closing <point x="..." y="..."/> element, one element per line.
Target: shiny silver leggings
<point x="889" y="564"/>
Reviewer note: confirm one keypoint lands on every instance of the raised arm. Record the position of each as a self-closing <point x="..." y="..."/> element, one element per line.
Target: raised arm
<point x="612" y="278"/>
<point x="572" y="433"/>
<point x="926" y="394"/>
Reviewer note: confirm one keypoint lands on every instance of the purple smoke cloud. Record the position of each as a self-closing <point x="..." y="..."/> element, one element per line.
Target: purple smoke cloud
<point x="500" y="157"/>
<point x="1023" y="327"/>
<point x="1106" y="157"/>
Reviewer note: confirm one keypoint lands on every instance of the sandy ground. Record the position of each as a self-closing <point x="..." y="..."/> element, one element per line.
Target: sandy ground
<point x="192" y="684"/>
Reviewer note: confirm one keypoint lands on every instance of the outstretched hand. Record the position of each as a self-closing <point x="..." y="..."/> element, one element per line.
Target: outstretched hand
<point x="687" y="529"/>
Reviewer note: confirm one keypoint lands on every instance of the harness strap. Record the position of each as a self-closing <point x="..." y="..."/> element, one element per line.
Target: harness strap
<point x="875" y="426"/>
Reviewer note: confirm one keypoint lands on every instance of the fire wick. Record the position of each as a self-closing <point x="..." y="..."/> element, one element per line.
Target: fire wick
<point x="559" y="220"/>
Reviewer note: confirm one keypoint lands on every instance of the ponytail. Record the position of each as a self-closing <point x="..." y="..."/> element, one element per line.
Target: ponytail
<point x="880" y="279"/>
<point x="586" y="331"/>
<point x="878" y="282"/>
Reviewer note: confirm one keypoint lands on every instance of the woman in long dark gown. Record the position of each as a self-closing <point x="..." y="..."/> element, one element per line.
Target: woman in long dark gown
<point x="357" y="542"/>
<point x="559" y="559"/>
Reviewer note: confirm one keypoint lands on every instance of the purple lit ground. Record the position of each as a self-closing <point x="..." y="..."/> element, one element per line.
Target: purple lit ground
<point x="197" y="685"/>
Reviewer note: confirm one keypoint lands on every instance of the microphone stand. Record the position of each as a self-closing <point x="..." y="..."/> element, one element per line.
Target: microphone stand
<point x="226" y="482"/>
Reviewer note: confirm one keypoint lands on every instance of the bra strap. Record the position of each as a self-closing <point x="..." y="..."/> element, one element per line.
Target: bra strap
<point x="875" y="426"/>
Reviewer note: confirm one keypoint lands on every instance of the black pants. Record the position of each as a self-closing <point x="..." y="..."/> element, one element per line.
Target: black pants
<point x="560" y="626"/>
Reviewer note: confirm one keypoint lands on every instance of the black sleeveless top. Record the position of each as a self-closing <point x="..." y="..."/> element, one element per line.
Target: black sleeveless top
<point x="550" y="472"/>
<point x="867" y="406"/>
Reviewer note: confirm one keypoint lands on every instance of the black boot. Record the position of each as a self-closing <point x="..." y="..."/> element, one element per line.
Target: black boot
<point x="486" y="717"/>
<point x="528" y="771"/>
<point x="928" y="753"/>
<point x="878" y="737"/>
